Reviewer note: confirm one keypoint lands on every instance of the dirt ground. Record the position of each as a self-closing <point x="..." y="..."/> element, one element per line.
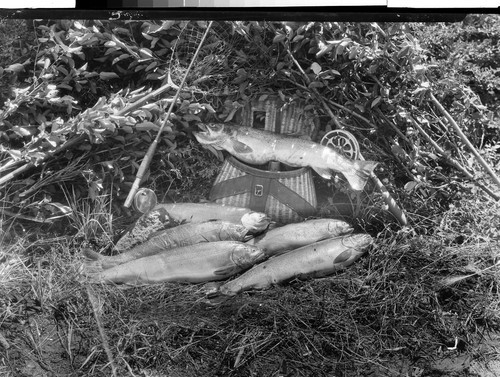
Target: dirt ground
<point x="44" y="345"/>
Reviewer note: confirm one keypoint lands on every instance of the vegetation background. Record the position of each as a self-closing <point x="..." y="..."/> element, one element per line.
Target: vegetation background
<point x="424" y="302"/>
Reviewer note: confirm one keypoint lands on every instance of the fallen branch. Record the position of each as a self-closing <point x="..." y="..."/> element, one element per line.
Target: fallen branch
<point x="392" y="205"/>
<point x="30" y="165"/>
<point x="451" y="161"/>
<point x="464" y="138"/>
<point x="70" y="143"/>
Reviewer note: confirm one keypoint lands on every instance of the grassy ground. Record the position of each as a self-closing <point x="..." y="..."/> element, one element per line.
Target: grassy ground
<point x="415" y="305"/>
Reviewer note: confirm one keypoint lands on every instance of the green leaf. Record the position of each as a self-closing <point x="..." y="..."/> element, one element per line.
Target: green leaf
<point x="316" y="84"/>
<point x="404" y="52"/>
<point x="22" y="131"/>
<point x="121" y="57"/>
<point x="147" y="126"/>
<point x="316" y="68"/>
<point x="279" y="38"/>
<point x="376" y="101"/>
<point x="410" y="186"/>
<point x="108" y="76"/>
<point x="353" y="52"/>
<point x="127" y="129"/>
<point x="146" y="53"/>
<point x="16" y="68"/>
<point x="64" y="86"/>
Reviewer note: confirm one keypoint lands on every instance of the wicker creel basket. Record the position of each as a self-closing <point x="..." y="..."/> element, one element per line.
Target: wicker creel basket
<point x="285" y="196"/>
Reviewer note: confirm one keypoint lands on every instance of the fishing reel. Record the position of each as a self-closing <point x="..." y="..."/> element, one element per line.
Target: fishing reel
<point x="343" y="142"/>
<point x="144" y="200"/>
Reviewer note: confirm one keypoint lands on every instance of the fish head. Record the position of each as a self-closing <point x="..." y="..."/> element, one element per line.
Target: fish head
<point x="255" y="221"/>
<point x="212" y="134"/>
<point x="338" y="227"/>
<point x="356" y="245"/>
<point x="245" y="255"/>
<point x="357" y="241"/>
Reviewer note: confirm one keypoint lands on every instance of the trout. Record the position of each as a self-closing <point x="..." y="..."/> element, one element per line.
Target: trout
<point x="255" y="146"/>
<point x="292" y="236"/>
<point x="167" y="215"/>
<point x="316" y="260"/>
<point x="181" y="235"/>
<point x="203" y="262"/>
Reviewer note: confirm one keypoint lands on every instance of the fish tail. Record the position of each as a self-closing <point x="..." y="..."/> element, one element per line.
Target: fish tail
<point x="358" y="175"/>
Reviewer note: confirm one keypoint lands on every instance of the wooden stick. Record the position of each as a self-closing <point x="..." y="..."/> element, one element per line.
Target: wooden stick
<point x="392" y="205"/>
<point x="464" y="138"/>
<point x="451" y="161"/>
<point x="30" y="165"/>
<point x="97" y="309"/>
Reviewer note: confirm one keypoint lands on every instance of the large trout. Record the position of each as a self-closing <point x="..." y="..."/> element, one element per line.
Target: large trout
<point x="259" y="147"/>
<point x="168" y="215"/>
<point x="203" y="262"/>
<point x="181" y="235"/>
<point x="292" y="236"/>
<point x="319" y="259"/>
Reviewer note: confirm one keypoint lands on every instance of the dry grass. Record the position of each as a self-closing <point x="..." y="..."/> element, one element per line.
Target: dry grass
<point x="391" y="314"/>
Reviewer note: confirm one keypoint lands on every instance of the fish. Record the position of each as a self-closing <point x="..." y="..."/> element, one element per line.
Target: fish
<point x="316" y="260"/>
<point x="292" y="236"/>
<point x="181" y="235"/>
<point x="149" y="223"/>
<point x="198" y="212"/>
<point x="255" y="146"/>
<point x="203" y="262"/>
<point x="168" y="215"/>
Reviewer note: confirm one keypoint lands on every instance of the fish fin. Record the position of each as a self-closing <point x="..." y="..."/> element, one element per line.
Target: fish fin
<point x="91" y="254"/>
<point x="215" y="150"/>
<point x="211" y="289"/>
<point x="298" y="135"/>
<point x="343" y="256"/>
<point x="248" y="238"/>
<point x="324" y="173"/>
<point x="227" y="270"/>
<point x="213" y="295"/>
<point x="359" y="174"/>
<point x="240" y="147"/>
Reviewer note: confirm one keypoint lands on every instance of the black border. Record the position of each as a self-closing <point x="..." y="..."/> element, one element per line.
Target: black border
<point x="354" y="14"/>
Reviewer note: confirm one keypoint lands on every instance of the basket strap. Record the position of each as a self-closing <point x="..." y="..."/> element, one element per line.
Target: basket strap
<point x="290" y="198"/>
<point x="259" y="193"/>
<point x="230" y="187"/>
<point x="260" y="188"/>
<point x="257" y="186"/>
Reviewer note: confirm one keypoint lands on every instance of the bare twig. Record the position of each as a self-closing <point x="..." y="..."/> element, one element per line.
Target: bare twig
<point x="451" y="161"/>
<point x="464" y="138"/>
<point x="94" y="301"/>
<point x="3" y="342"/>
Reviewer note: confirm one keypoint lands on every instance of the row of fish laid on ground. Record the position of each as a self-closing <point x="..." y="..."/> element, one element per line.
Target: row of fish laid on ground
<point x="216" y="242"/>
<point x="256" y="146"/>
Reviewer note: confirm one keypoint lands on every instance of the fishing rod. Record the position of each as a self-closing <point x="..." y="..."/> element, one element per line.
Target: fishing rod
<point x="152" y="148"/>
